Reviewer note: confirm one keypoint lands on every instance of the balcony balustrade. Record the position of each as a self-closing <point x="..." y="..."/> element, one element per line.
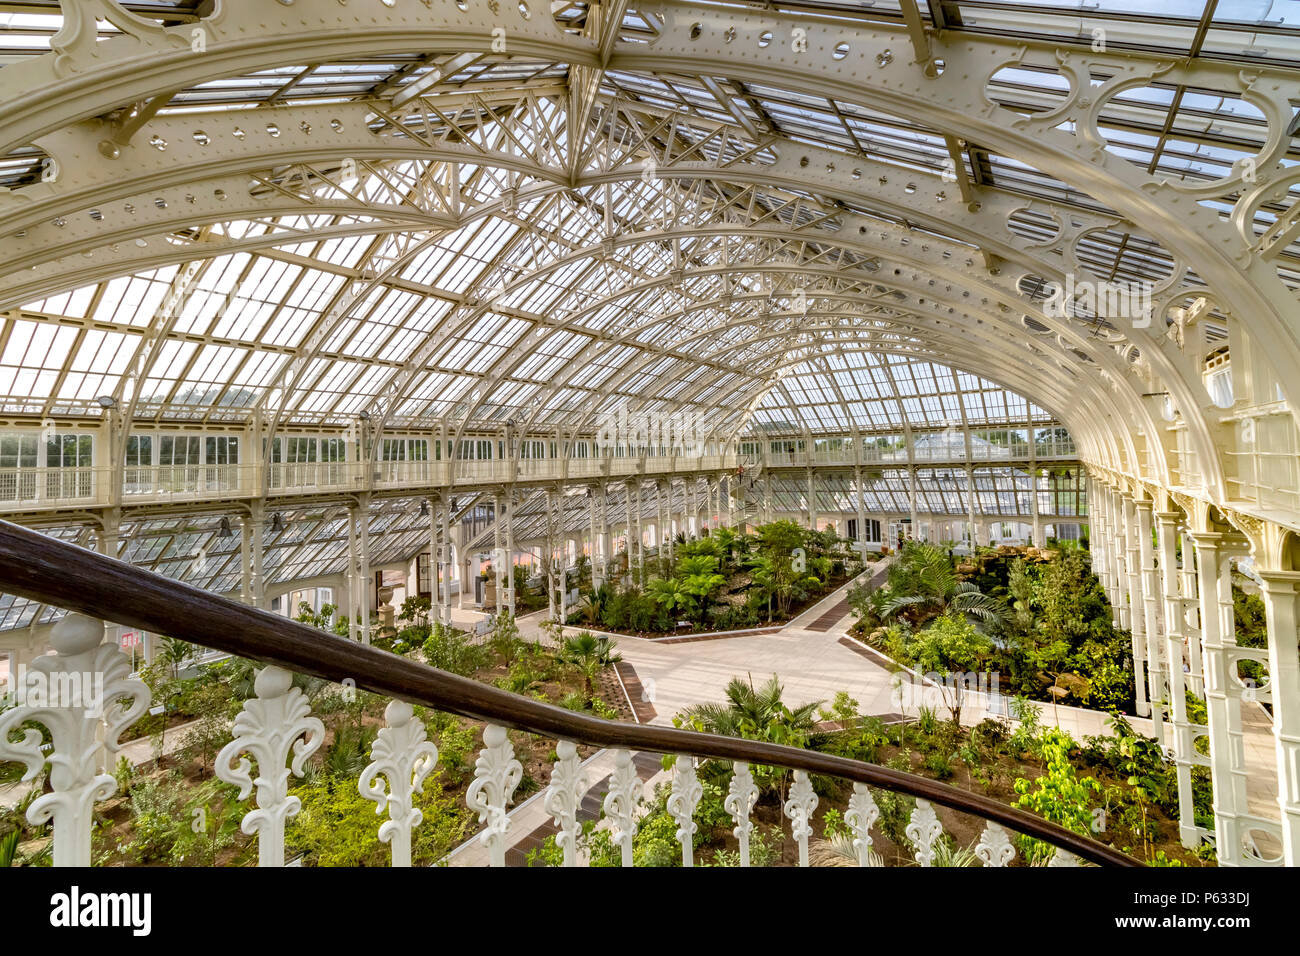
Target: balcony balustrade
<point x="38" y="489"/>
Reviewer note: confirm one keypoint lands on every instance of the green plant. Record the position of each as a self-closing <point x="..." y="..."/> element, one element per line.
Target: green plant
<point x="455" y="741"/>
<point x="211" y="826"/>
<point x="521" y="678"/>
<point x="505" y="641"/>
<point x="755" y="713"/>
<point x="9" y="847"/>
<point x="670" y="594"/>
<point x="948" y="854"/>
<point x="452" y="650"/>
<point x="211" y="730"/>
<point x="336" y="825"/>
<point x="124" y="773"/>
<point x="174" y="652"/>
<point x="349" y="752"/>
<point x="940" y="765"/>
<point x="764" y="850"/>
<point x="589" y="655"/>
<point x="923" y="583"/>
<point x="1060" y="795"/>
<point x="954" y="650"/>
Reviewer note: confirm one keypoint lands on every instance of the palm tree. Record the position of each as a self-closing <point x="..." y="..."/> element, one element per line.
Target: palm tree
<point x="668" y="593"/>
<point x="590" y="655"/>
<point x="754" y="713"/>
<point x="925" y="583"/>
<point x="595" y="603"/>
<point x="762" y="574"/>
<point x="700" y="581"/>
<point x="175" y="652"/>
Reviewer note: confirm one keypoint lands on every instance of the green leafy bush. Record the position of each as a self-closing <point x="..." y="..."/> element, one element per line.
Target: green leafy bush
<point x="452" y="650"/>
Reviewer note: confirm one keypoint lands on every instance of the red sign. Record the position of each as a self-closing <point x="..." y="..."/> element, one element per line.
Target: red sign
<point x="129" y="639"/>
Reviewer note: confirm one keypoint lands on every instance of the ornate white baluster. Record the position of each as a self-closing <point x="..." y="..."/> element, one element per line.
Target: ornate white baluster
<point x="77" y="694"/>
<point x="799" y="808"/>
<point x="995" y="847"/>
<point x="403" y="754"/>
<point x="621" y="801"/>
<point x="1063" y="857"/>
<point x="742" y="794"/>
<point x="923" y="830"/>
<point x="568" y="783"/>
<point x="861" y="816"/>
<point x="496" y="774"/>
<point x="271" y="725"/>
<point x="682" y="801"/>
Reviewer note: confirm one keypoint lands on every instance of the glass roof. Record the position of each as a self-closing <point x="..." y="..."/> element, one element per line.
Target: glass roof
<point x="874" y="392"/>
<point x="568" y="301"/>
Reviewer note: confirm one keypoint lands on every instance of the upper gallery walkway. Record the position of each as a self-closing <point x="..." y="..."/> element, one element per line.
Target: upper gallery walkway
<point x="36" y="490"/>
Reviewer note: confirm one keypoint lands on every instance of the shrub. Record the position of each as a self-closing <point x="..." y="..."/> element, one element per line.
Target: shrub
<point x="452" y="650"/>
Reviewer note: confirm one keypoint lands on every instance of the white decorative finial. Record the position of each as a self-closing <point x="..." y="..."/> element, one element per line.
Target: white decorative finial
<point x="76" y="633"/>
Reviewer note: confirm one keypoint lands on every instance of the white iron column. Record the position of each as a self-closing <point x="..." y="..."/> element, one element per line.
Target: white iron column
<point x="1036" y="520"/>
<point x="257" y="544"/>
<point x="1279" y="592"/>
<point x="627" y="524"/>
<point x="434" y="504"/>
<point x="511" y="503"/>
<point x="606" y="542"/>
<point x="970" y="508"/>
<point x="1157" y="692"/>
<point x="363" y="572"/>
<point x="597" y="563"/>
<point x="636" y="504"/>
<point x="1192" y="616"/>
<point x="354" y="601"/>
<point x="465" y="572"/>
<point x="548" y="555"/>
<point x="1119" y="558"/>
<point x="812" y="501"/>
<point x="911" y="500"/>
<point x="246" y="561"/>
<point x="109" y="540"/>
<point x="1180" y="737"/>
<point x="1098" y="535"/>
<point x="498" y="552"/>
<point x="1135" y="607"/>
<point x="1219" y="705"/>
<point x="1231" y="684"/>
<point x="444" y="561"/>
<point x="860" y="506"/>
<point x="664" y="490"/>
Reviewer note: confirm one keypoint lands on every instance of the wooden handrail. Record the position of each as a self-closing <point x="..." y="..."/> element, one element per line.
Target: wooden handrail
<point x="42" y="568"/>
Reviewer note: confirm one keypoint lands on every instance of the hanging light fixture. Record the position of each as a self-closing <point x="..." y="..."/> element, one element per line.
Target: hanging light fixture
<point x="277" y="523"/>
<point x="424" y="507"/>
<point x="224" y="531"/>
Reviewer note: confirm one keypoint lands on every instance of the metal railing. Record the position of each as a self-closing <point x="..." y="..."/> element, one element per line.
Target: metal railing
<point x="278" y="731"/>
